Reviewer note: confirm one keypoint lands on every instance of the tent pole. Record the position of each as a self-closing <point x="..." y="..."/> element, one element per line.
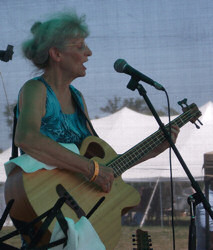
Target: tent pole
<point x="149" y="204"/>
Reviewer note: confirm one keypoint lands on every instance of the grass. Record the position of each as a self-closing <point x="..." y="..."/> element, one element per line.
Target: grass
<point x="14" y="241"/>
<point x="161" y="237"/>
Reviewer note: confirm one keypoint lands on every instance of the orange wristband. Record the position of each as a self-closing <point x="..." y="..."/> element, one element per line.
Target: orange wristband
<point x="96" y="171"/>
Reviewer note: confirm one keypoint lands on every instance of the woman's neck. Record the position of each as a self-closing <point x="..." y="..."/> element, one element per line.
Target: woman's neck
<point x="58" y="82"/>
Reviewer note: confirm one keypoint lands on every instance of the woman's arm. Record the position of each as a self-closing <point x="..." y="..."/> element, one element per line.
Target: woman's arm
<point x="31" y="141"/>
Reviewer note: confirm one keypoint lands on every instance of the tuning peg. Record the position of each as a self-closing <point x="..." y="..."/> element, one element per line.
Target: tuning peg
<point x="183" y="102"/>
<point x="198" y="127"/>
<point x="200" y="122"/>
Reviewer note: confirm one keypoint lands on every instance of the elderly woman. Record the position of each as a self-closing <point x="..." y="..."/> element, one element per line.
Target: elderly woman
<point x="47" y="112"/>
<point x="51" y="110"/>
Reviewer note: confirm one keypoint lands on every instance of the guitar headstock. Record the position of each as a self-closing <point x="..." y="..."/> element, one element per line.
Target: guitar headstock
<point x="142" y="240"/>
<point x="192" y="110"/>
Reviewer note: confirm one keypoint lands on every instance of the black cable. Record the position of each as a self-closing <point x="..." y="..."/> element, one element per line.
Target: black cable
<point x="171" y="178"/>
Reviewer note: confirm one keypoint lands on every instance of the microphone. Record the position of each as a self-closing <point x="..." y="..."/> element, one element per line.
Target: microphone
<point x="6" y="55"/>
<point x="122" y="66"/>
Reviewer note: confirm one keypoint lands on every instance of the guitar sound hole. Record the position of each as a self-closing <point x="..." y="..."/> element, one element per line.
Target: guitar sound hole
<point x="94" y="149"/>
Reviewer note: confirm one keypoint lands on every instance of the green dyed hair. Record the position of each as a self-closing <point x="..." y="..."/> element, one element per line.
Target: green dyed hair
<point x="53" y="33"/>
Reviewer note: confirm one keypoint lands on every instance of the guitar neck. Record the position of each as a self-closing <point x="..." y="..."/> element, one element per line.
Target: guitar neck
<point x="131" y="157"/>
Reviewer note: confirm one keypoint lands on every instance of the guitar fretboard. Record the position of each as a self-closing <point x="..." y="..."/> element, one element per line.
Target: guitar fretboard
<point x="132" y="156"/>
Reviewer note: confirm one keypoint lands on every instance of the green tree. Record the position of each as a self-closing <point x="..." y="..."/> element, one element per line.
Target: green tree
<point x="113" y="105"/>
<point x="137" y="104"/>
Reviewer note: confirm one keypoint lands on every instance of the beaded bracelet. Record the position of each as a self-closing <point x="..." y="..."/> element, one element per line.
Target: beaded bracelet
<point x="96" y="171"/>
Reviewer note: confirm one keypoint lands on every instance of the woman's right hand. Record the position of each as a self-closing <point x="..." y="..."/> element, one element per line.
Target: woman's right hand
<point x="105" y="178"/>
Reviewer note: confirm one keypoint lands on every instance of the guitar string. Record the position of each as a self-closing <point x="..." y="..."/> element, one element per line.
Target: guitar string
<point x="138" y="153"/>
<point x="132" y="157"/>
<point x="88" y="189"/>
<point x="119" y="165"/>
<point x="85" y="184"/>
<point x="146" y="146"/>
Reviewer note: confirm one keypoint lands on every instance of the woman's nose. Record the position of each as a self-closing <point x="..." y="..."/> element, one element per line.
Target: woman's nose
<point x="88" y="51"/>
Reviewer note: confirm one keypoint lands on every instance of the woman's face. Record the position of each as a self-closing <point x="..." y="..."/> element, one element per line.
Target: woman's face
<point x="74" y="55"/>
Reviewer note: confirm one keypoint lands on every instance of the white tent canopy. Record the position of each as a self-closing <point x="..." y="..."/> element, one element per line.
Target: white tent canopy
<point x="125" y="128"/>
<point x="4" y="157"/>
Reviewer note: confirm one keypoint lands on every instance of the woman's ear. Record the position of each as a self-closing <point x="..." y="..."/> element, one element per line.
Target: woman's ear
<point x="55" y="54"/>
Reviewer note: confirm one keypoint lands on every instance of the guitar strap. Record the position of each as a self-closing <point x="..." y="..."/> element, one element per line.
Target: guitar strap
<point x="77" y="102"/>
<point x="14" y="152"/>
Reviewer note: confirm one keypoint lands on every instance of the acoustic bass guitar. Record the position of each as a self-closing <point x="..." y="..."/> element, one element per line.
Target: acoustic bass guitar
<point x="36" y="192"/>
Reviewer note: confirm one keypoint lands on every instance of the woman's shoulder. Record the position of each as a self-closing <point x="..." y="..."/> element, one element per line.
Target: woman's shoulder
<point x="33" y="86"/>
<point x="32" y="94"/>
<point x="34" y="83"/>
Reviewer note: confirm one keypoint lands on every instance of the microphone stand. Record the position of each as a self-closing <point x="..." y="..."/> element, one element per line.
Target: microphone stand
<point x="132" y="85"/>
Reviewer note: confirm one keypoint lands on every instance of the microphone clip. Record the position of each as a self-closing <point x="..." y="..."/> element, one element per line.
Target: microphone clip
<point x="133" y="83"/>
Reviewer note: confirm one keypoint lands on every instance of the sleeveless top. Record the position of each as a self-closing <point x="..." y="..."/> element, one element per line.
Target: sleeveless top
<point x="60" y="127"/>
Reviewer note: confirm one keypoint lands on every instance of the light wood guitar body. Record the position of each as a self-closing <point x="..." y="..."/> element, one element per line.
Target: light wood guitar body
<point x="35" y="193"/>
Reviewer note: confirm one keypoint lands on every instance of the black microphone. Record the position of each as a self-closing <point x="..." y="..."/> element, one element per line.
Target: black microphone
<point x="122" y="66"/>
<point x="6" y="55"/>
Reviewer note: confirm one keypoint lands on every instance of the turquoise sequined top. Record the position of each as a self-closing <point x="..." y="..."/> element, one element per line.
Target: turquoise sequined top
<point x="64" y="128"/>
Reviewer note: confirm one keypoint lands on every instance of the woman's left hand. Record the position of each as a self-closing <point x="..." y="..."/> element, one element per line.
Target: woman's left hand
<point x="174" y="134"/>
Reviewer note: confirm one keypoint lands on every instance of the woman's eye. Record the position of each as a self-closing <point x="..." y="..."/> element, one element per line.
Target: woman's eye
<point x="81" y="46"/>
